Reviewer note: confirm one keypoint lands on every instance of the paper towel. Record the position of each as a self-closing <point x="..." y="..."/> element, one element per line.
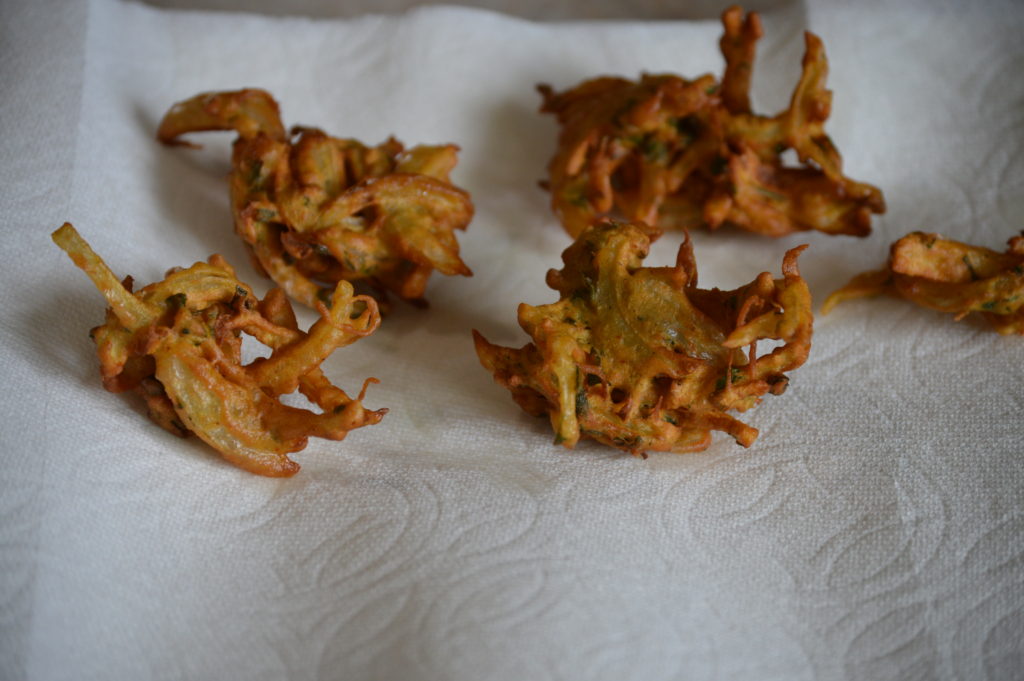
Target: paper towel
<point x="874" y="530"/>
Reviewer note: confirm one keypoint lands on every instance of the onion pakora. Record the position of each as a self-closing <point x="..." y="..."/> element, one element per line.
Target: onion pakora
<point x="640" y="358"/>
<point x="949" y="276"/>
<point x="177" y="343"/>
<point x="318" y="209"/>
<point x="680" y="154"/>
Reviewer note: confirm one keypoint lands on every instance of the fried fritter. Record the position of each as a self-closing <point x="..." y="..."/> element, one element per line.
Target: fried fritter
<point x="640" y="358"/>
<point x="177" y="343"/>
<point x="680" y="154"/>
<point x="949" y="276"/>
<point x="315" y="209"/>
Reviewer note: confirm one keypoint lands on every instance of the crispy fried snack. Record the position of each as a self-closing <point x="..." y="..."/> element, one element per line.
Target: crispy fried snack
<point x="178" y="343"/>
<point x="319" y="209"/>
<point x="949" y="276"/>
<point x="640" y="358"/>
<point x="678" y="154"/>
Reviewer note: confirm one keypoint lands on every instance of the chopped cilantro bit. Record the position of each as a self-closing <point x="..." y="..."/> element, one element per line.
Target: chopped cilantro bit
<point x="581" y="401"/>
<point x="688" y="127"/>
<point x="970" y="268"/>
<point x="654" y="149"/>
<point x="177" y="300"/>
<point x="255" y="171"/>
<point x="577" y="196"/>
<point x="771" y="194"/>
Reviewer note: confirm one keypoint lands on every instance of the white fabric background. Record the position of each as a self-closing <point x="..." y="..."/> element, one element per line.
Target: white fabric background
<point x="875" y="530"/>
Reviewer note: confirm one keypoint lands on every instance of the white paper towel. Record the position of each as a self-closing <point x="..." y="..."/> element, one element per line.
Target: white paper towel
<point x="875" y="530"/>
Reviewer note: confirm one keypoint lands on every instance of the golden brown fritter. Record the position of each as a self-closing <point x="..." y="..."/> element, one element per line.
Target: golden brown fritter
<point x="681" y="154"/>
<point x="177" y="343"/>
<point x="640" y="358"/>
<point x="315" y="209"/>
<point x="949" y="276"/>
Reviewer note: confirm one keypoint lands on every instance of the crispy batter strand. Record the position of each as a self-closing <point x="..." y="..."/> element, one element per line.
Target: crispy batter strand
<point x="315" y="209"/>
<point x="177" y="343"/>
<point x="949" y="276"/>
<point x="640" y="358"/>
<point x="679" y="154"/>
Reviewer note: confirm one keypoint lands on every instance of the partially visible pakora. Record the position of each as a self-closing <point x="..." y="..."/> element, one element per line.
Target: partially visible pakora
<point x="641" y="359"/>
<point x="317" y="210"/>
<point x="681" y="154"/>
<point x="178" y="344"/>
<point x="949" y="276"/>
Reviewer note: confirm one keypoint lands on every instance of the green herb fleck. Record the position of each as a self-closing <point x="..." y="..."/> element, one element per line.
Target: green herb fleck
<point x="688" y="127"/>
<point x="735" y="374"/>
<point x="581" y="401"/>
<point x="775" y="196"/>
<point x="577" y="196"/>
<point x="255" y="171"/>
<point x="970" y="268"/>
<point x="654" y="149"/>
